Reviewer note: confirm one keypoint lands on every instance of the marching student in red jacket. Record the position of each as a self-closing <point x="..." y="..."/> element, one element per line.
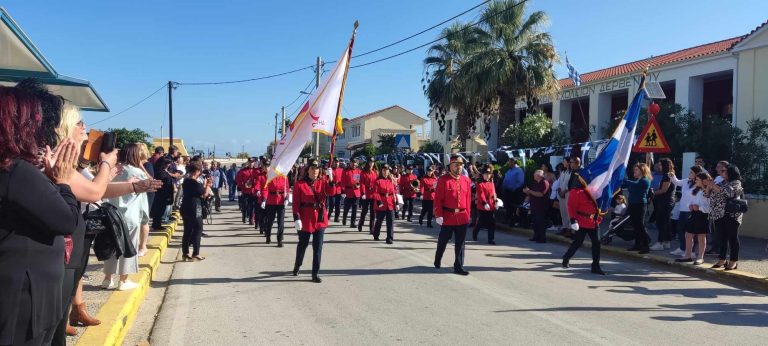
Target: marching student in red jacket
<point x="452" y="204"/>
<point x="408" y="191"/>
<point x="260" y="182"/>
<point x="428" y="186"/>
<point x="245" y="180"/>
<point x="585" y="218"/>
<point x="275" y="200"/>
<point x="384" y="197"/>
<point x="350" y="182"/>
<point x="309" y="210"/>
<point x="334" y="200"/>
<point x="486" y="204"/>
<point x="367" y="178"/>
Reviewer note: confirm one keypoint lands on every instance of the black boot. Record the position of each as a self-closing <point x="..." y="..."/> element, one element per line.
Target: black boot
<point x="460" y="271"/>
<point x="295" y="270"/>
<point x="597" y="270"/>
<point x="316" y="279"/>
<point x="566" y="262"/>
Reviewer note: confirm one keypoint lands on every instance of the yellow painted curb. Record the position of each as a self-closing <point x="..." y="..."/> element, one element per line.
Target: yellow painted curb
<point x="733" y="275"/>
<point x="119" y="311"/>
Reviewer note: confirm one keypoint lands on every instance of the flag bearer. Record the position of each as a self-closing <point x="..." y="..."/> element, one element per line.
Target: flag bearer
<point x="452" y="203"/>
<point x="585" y="217"/>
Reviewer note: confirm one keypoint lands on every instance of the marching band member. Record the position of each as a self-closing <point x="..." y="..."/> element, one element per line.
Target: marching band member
<point x="485" y="203"/>
<point x="428" y="186"/>
<point x="367" y="179"/>
<point x="350" y="181"/>
<point x="585" y="217"/>
<point x="245" y="180"/>
<point x="260" y="180"/>
<point x="275" y="200"/>
<point x="334" y="200"/>
<point x="452" y="202"/>
<point x="385" y="199"/>
<point x="408" y="190"/>
<point x="309" y="210"/>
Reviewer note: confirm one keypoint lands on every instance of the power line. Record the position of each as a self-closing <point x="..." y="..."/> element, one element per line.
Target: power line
<point x="440" y="38"/>
<point x="251" y="79"/>
<point x="301" y="94"/>
<point x="131" y="107"/>
<point x="423" y="31"/>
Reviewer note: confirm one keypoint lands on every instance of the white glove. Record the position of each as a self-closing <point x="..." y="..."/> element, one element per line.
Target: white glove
<point x="285" y="203"/>
<point x="264" y="205"/>
<point x="258" y="193"/>
<point x="290" y="199"/>
<point x="400" y="199"/>
<point x="439" y="220"/>
<point x="329" y="173"/>
<point x="363" y="196"/>
<point x="487" y="206"/>
<point x="574" y="225"/>
<point x="499" y="203"/>
<point x="297" y="223"/>
<point x="343" y="195"/>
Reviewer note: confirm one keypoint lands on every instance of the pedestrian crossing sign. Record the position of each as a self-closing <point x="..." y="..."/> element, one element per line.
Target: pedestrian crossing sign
<point x="651" y="140"/>
<point x="403" y="141"/>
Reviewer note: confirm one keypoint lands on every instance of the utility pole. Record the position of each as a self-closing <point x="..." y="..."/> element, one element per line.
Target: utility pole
<point x="274" y="144"/>
<point x="282" y="131"/>
<point x="170" y="113"/>
<point x="161" y="135"/>
<point x="318" y="71"/>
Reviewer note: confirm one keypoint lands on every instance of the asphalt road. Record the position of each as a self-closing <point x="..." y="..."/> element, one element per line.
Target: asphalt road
<point x="374" y="293"/>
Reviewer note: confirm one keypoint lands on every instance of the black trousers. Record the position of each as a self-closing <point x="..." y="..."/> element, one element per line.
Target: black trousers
<point x="389" y="216"/>
<point x="334" y="203"/>
<point x="446" y="233"/>
<point x="158" y="209"/>
<point x="637" y="217"/>
<point x="485" y="220"/>
<point x="249" y="207"/>
<point x="193" y="230"/>
<point x="68" y="288"/>
<point x="578" y="240"/>
<point x="663" y="212"/>
<point x="539" y="220"/>
<point x="350" y="202"/>
<point x="275" y="212"/>
<point x="23" y="333"/>
<point x="427" y="208"/>
<point x="407" y="206"/>
<point x="317" y="249"/>
<point x="366" y="207"/>
<point x="216" y="199"/>
<point x="729" y="237"/>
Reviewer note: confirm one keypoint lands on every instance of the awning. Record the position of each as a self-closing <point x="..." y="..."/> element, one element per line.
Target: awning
<point x="21" y="59"/>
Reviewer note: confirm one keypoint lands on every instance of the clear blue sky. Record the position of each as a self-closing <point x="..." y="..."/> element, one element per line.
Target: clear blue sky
<point x="128" y="49"/>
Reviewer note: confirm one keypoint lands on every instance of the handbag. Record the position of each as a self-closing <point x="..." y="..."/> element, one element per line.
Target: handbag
<point x="736" y="205"/>
<point x="96" y="221"/>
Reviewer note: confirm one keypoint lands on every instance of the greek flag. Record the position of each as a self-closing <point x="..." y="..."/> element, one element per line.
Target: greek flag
<point x="572" y="73"/>
<point x="606" y="173"/>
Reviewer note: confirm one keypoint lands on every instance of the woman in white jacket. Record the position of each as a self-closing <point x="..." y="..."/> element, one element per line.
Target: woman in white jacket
<point x="698" y="223"/>
<point x="687" y="185"/>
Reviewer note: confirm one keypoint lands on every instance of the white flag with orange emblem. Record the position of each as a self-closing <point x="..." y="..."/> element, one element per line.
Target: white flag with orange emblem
<point x="319" y="114"/>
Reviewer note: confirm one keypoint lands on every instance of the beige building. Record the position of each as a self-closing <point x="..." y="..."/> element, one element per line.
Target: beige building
<point x="366" y="129"/>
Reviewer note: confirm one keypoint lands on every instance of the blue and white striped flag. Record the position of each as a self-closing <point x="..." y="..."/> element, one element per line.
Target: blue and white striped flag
<point x="606" y="173"/>
<point x="572" y="73"/>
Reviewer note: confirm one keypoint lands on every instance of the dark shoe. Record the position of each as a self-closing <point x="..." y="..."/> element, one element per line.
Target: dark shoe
<point x="409" y="220"/>
<point x="205" y="235"/>
<point x="684" y="260"/>
<point x="541" y="242"/>
<point x="719" y="264"/>
<point x="352" y="225"/>
<point x="269" y="241"/>
<point x="360" y="228"/>
<point x="474" y="238"/>
<point x="732" y="266"/>
<point x="243" y="220"/>
<point x="316" y="280"/>
<point x="295" y="271"/>
<point x="459" y="271"/>
<point x="437" y="264"/>
<point x="186" y="258"/>
<point x="336" y="220"/>
<point x="634" y="248"/>
<point x="376" y="238"/>
<point x="644" y="251"/>
<point x="597" y="270"/>
<point x="389" y="241"/>
<point x="566" y="263"/>
<point x="492" y="242"/>
<point x="421" y="222"/>
<point x="250" y="222"/>
<point x="532" y="239"/>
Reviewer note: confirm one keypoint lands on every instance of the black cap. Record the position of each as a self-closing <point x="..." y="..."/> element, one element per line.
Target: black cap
<point x="313" y="163"/>
<point x="457" y="158"/>
<point x="386" y="166"/>
<point x="487" y="169"/>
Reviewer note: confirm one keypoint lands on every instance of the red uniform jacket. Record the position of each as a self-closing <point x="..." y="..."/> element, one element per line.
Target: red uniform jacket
<point x="309" y="202"/>
<point x="384" y="195"/>
<point x="243" y="176"/>
<point x="406" y="189"/>
<point x="276" y="191"/>
<point x="260" y="180"/>
<point x="350" y="181"/>
<point x="428" y="186"/>
<point x="486" y="193"/>
<point x="337" y="174"/>
<point x="583" y="208"/>
<point x="454" y="195"/>
<point x="367" y="179"/>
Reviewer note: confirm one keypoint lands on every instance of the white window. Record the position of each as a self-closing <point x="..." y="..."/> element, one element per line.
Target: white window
<point x="340" y="154"/>
<point x="356" y="131"/>
<point x="448" y="129"/>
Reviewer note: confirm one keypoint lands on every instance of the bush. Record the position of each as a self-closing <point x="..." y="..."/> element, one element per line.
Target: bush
<point x="431" y="147"/>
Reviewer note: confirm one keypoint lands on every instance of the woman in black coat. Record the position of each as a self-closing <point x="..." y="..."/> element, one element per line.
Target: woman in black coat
<point x="35" y="215"/>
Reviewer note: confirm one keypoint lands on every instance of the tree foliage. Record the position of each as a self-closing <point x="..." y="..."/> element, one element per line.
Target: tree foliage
<point x="368" y="151"/>
<point x="535" y="131"/>
<point x="125" y="136"/>
<point x="387" y="145"/>
<point x="431" y="147"/>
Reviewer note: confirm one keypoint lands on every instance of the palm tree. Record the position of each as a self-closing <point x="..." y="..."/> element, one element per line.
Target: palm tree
<point x="488" y="66"/>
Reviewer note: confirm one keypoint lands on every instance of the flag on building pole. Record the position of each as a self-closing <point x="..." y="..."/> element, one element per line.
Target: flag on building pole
<point x="319" y="114"/>
<point x="572" y="73"/>
<point x="606" y="173"/>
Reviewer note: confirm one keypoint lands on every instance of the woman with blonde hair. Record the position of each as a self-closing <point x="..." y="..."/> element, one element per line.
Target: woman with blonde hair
<point x="638" y="201"/>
